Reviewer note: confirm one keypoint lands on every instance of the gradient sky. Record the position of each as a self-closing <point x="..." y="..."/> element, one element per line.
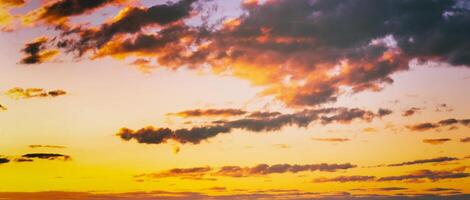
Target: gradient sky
<point x="200" y="99"/>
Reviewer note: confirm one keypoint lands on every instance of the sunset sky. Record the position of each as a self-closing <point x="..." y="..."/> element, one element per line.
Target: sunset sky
<point x="235" y="99"/>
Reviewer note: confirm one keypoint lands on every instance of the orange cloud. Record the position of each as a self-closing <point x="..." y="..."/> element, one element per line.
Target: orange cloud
<point x="210" y="113"/>
<point x="201" y="173"/>
<point x="443" y="123"/>
<point x="437" y="141"/>
<point x="3" y="108"/>
<point x="36" y="52"/>
<point x="331" y="139"/>
<point x="28" y="93"/>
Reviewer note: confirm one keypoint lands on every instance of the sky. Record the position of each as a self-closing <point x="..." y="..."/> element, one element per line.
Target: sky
<point x="242" y="99"/>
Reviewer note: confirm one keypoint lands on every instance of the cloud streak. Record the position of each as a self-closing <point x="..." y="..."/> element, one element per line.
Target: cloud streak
<point x="194" y="135"/>
<point x="204" y="173"/>
<point x="424" y="161"/>
<point x="437" y="141"/>
<point x="210" y="113"/>
<point x="29" y="93"/>
<point x="47" y="156"/>
<point x="414" y="176"/>
<point x="443" y="123"/>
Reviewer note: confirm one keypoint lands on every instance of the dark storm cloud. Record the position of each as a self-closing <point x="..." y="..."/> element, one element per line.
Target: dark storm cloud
<point x="411" y="111"/>
<point x="47" y="156"/>
<point x="37" y="52"/>
<point x="425" y="161"/>
<point x="467" y="139"/>
<point x="195" y="135"/>
<point x="210" y="113"/>
<point x="443" y="123"/>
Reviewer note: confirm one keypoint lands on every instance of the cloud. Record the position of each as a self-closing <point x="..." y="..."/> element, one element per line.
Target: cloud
<point x="411" y="111"/>
<point x="391" y="188"/>
<point x="6" y="18"/>
<point x="265" y="169"/>
<point x="129" y="21"/>
<point x="436" y="141"/>
<point x="261" y="114"/>
<point x="467" y="139"/>
<point x="151" y="135"/>
<point x="47" y="156"/>
<point x="422" y="127"/>
<point x="210" y="113"/>
<point x="344" y="179"/>
<point x="418" y="175"/>
<point x="28" y="93"/>
<point x="36" y="52"/>
<point x="23" y="160"/>
<point x="46" y="146"/>
<point x="443" y="123"/>
<point x="144" y="65"/>
<point x="424" y="161"/>
<point x="438" y="189"/>
<point x="11" y="2"/>
<point x="58" y="12"/>
<point x="269" y="43"/>
<point x="194" y="135"/>
<point x="3" y="108"/>
<point x="204" y="173"/>
<point x="331" y="139"/>
<point x="4" y="160"/>
<point x="384" y="112"/>
<point x="184" y="173"/>
<point x="435" y="175"/>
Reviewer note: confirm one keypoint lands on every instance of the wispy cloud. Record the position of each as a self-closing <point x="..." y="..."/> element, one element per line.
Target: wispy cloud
<point x="28" y="93"/>
<point x="436" y="141"/>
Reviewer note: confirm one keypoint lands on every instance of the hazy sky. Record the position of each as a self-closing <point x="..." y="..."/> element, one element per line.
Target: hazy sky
<point x="209" y="99"/>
